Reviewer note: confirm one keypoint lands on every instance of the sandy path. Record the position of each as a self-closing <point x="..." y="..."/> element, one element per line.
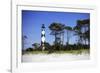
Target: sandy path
<point x="53" y="57"/>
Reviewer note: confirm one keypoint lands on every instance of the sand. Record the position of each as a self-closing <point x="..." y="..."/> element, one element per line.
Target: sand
<point x="53" y="57"/>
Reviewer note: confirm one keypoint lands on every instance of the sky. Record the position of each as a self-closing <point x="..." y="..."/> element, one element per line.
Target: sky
<point x="33" y="20"/>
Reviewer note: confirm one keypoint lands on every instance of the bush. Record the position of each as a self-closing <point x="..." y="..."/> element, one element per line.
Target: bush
<point x="29" y="49"/>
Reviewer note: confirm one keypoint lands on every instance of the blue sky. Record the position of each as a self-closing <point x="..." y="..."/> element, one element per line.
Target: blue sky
<point x="32" y="21"/>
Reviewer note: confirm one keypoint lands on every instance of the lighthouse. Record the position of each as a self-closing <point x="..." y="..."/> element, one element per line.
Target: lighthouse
<point x="43" y="37"/>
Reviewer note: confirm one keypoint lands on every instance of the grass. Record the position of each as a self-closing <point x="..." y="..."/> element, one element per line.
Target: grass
<point x="60" y="52"/>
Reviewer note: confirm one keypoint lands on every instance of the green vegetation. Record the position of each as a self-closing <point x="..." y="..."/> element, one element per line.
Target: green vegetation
<point x="86" y="51"/>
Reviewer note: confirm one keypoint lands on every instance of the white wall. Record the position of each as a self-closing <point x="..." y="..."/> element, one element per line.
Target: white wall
<point x="5" y="34"/>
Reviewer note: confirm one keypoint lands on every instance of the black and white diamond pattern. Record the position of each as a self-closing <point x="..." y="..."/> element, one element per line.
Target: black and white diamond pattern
<point x="43" y="37"/>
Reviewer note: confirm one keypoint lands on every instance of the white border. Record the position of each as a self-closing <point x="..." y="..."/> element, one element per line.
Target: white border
<point x="16" y="40"/>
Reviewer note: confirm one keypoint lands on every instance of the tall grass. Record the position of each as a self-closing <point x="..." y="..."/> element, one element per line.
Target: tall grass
<point x="85" y="51"/>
